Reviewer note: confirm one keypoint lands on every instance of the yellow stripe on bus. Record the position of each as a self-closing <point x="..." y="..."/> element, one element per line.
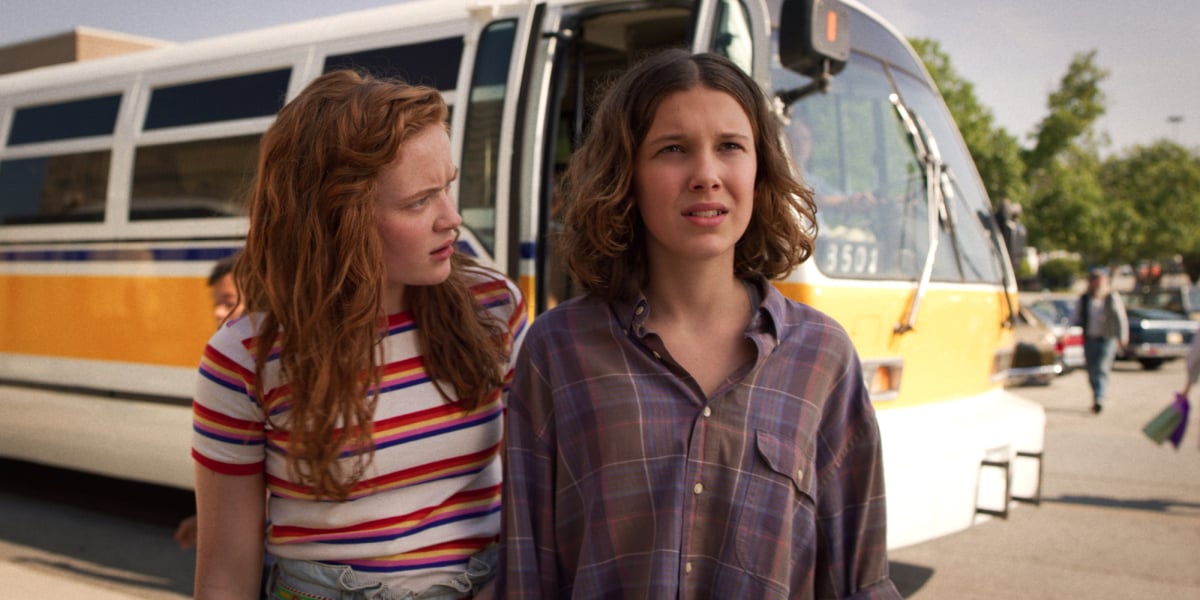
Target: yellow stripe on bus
<point x="949" y="353"/>
<point x="153" y="320"/>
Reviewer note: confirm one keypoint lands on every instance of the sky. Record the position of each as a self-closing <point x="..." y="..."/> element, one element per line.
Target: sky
<point x="1014" y="52"/>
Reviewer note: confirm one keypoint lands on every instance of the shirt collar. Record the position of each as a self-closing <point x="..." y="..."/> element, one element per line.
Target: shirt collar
<point x="631" y="314"/>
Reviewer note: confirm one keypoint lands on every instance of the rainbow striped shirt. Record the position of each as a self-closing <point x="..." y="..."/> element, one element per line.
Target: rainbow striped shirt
<point x="429" y="499"/>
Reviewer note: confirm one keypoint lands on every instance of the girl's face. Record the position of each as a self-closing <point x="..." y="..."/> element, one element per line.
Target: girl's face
<point x="225" y="299"/>
<point x="694" y="177"/>
<point x="416" y="216"/>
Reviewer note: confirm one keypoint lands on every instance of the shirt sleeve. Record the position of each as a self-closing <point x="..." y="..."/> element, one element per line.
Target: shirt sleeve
<point x="1122" y="319"/>
<point x="527" y="561"/>
<point x="1193" y="359"/>
<point x="851" y="500"/>
<point x="518" y="321"/>
<point x="228" y="426"/>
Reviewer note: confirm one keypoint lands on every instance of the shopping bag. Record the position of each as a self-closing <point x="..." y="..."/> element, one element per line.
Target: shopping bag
<point x="1169" y="423"/>
<point x="1181" y="405"/>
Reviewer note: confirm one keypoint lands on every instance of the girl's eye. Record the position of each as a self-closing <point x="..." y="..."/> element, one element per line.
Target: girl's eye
<point x="731" y="146"/>
<point x="429" y="198"/>
<point x="673" y="148"/>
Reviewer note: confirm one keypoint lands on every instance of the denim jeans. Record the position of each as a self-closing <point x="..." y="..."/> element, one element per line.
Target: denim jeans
<point x="306" y="580"/>
<point x="1099" y="354"/>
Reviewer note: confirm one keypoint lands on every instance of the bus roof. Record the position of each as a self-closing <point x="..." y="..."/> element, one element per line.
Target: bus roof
<point x="290" y="35"/>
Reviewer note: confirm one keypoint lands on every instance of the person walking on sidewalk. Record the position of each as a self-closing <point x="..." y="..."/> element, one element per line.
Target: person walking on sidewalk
<point x="1101" y="314"/>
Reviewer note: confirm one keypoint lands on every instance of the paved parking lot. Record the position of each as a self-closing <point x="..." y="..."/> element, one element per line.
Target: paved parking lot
<point x="1120" y="516"/>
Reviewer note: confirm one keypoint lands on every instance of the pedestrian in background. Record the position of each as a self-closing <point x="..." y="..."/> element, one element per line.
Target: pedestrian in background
<point x="363" y="386"/>
<point x="226" y="299"/>
<point x="683" y="430"/>
<point x="1101" y="315"/>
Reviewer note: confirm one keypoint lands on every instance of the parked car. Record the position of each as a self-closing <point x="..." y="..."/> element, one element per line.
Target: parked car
<point x="1056" y="312"/>
<point x="1035" y="360"/>
<point x="1156" y="336"/>
<point x="1185" y="300"/>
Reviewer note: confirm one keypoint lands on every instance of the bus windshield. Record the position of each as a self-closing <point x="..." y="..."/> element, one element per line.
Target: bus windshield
<point x="870" y="182"/>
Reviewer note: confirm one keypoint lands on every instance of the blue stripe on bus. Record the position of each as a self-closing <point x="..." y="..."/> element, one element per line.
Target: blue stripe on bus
<point x="128" y="254"/>
<point x="528" y="250"/>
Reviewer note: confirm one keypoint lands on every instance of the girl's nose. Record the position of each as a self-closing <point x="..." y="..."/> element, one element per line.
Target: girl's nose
<point x="705" y="177"/>
<point x="449" y="217"/>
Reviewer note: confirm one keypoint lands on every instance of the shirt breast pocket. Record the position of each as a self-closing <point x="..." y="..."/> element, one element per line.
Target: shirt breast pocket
<point x="776" y="530"/>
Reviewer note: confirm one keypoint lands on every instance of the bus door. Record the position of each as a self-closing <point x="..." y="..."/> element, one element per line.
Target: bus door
<point x="580" y="49"/>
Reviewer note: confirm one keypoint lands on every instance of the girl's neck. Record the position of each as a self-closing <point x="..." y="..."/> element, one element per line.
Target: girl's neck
<point x="696" y="295"/>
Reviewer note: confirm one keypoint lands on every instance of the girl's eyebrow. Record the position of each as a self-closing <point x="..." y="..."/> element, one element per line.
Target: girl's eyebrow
<point x="675" y="137"/>
<point x="433" y="188"/>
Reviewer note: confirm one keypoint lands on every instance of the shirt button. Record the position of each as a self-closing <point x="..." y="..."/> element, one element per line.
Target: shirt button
<point x="639" y="310"/>
<point x="799" y="473"/>
<point x="657" y="355"/>
<point x="707" y="411"/>
<point x="687" y="568"/>
<point x="698" y="488"/>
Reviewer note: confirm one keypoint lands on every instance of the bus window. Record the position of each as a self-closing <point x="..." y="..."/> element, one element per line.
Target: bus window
<point x="433" y="63"/>
<point x="244" y="96"/>
<point x="66" y="120"/>
<point x="481" y="134"/>
<point x="731" y="34"/>
<point x="188" y="180"/>
<point x="66" y="188"/>
<point x="208" y="177"/>
<point x="852" y="150"/>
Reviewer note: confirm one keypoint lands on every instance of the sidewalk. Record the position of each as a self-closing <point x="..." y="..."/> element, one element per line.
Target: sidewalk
<point x="1119" y="519"/>
<point x="27" y="583"/>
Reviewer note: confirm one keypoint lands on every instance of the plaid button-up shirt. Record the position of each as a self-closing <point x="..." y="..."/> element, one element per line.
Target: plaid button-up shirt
<point x="623" y="480"/>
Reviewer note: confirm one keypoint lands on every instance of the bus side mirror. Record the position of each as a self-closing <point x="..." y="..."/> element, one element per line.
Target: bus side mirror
<point x="813" y="37"/>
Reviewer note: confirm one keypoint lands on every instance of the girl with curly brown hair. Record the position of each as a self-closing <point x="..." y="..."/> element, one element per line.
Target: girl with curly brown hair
<point x="683" y="430"/>
<point x="362" y="389"/>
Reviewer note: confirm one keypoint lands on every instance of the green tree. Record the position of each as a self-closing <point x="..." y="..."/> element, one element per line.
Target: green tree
<point x="1074" y="108"/>
<point x="1066" y="207"/>
<point x="996" y="153"/>
<point x="1155" y="190"/>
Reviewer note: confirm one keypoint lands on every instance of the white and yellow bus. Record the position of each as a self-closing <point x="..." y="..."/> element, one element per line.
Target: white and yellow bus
<point x="123" y="179"/>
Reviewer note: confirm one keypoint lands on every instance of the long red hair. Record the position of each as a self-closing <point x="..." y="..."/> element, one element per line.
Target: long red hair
<point x="312" y="270"/>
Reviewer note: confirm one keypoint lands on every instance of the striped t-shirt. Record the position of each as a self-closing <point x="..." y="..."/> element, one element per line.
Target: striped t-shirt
<point x="429" y="499"/>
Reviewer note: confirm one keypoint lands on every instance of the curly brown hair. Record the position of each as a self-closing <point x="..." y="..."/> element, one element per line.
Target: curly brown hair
<point x="313" y="268"/>
<point x="604" y="238"/>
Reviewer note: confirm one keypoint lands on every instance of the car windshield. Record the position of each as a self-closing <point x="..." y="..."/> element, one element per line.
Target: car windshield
<point x="1055" y="311"/>
<point x="1157" y="314"/>
<point x="1044" y="312"/>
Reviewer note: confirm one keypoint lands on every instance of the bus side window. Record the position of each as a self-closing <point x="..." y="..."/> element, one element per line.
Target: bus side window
<point x="202" y="178"/>
<point x="65" y="188"/>
<point x="58" y="187"/>
<point x="433" y="63"/>
<point x="192" y="180"/>
<point x="239" y="97"/>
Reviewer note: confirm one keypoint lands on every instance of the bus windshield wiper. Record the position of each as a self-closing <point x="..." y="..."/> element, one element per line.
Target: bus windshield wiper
<point x="927" y="154"/>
